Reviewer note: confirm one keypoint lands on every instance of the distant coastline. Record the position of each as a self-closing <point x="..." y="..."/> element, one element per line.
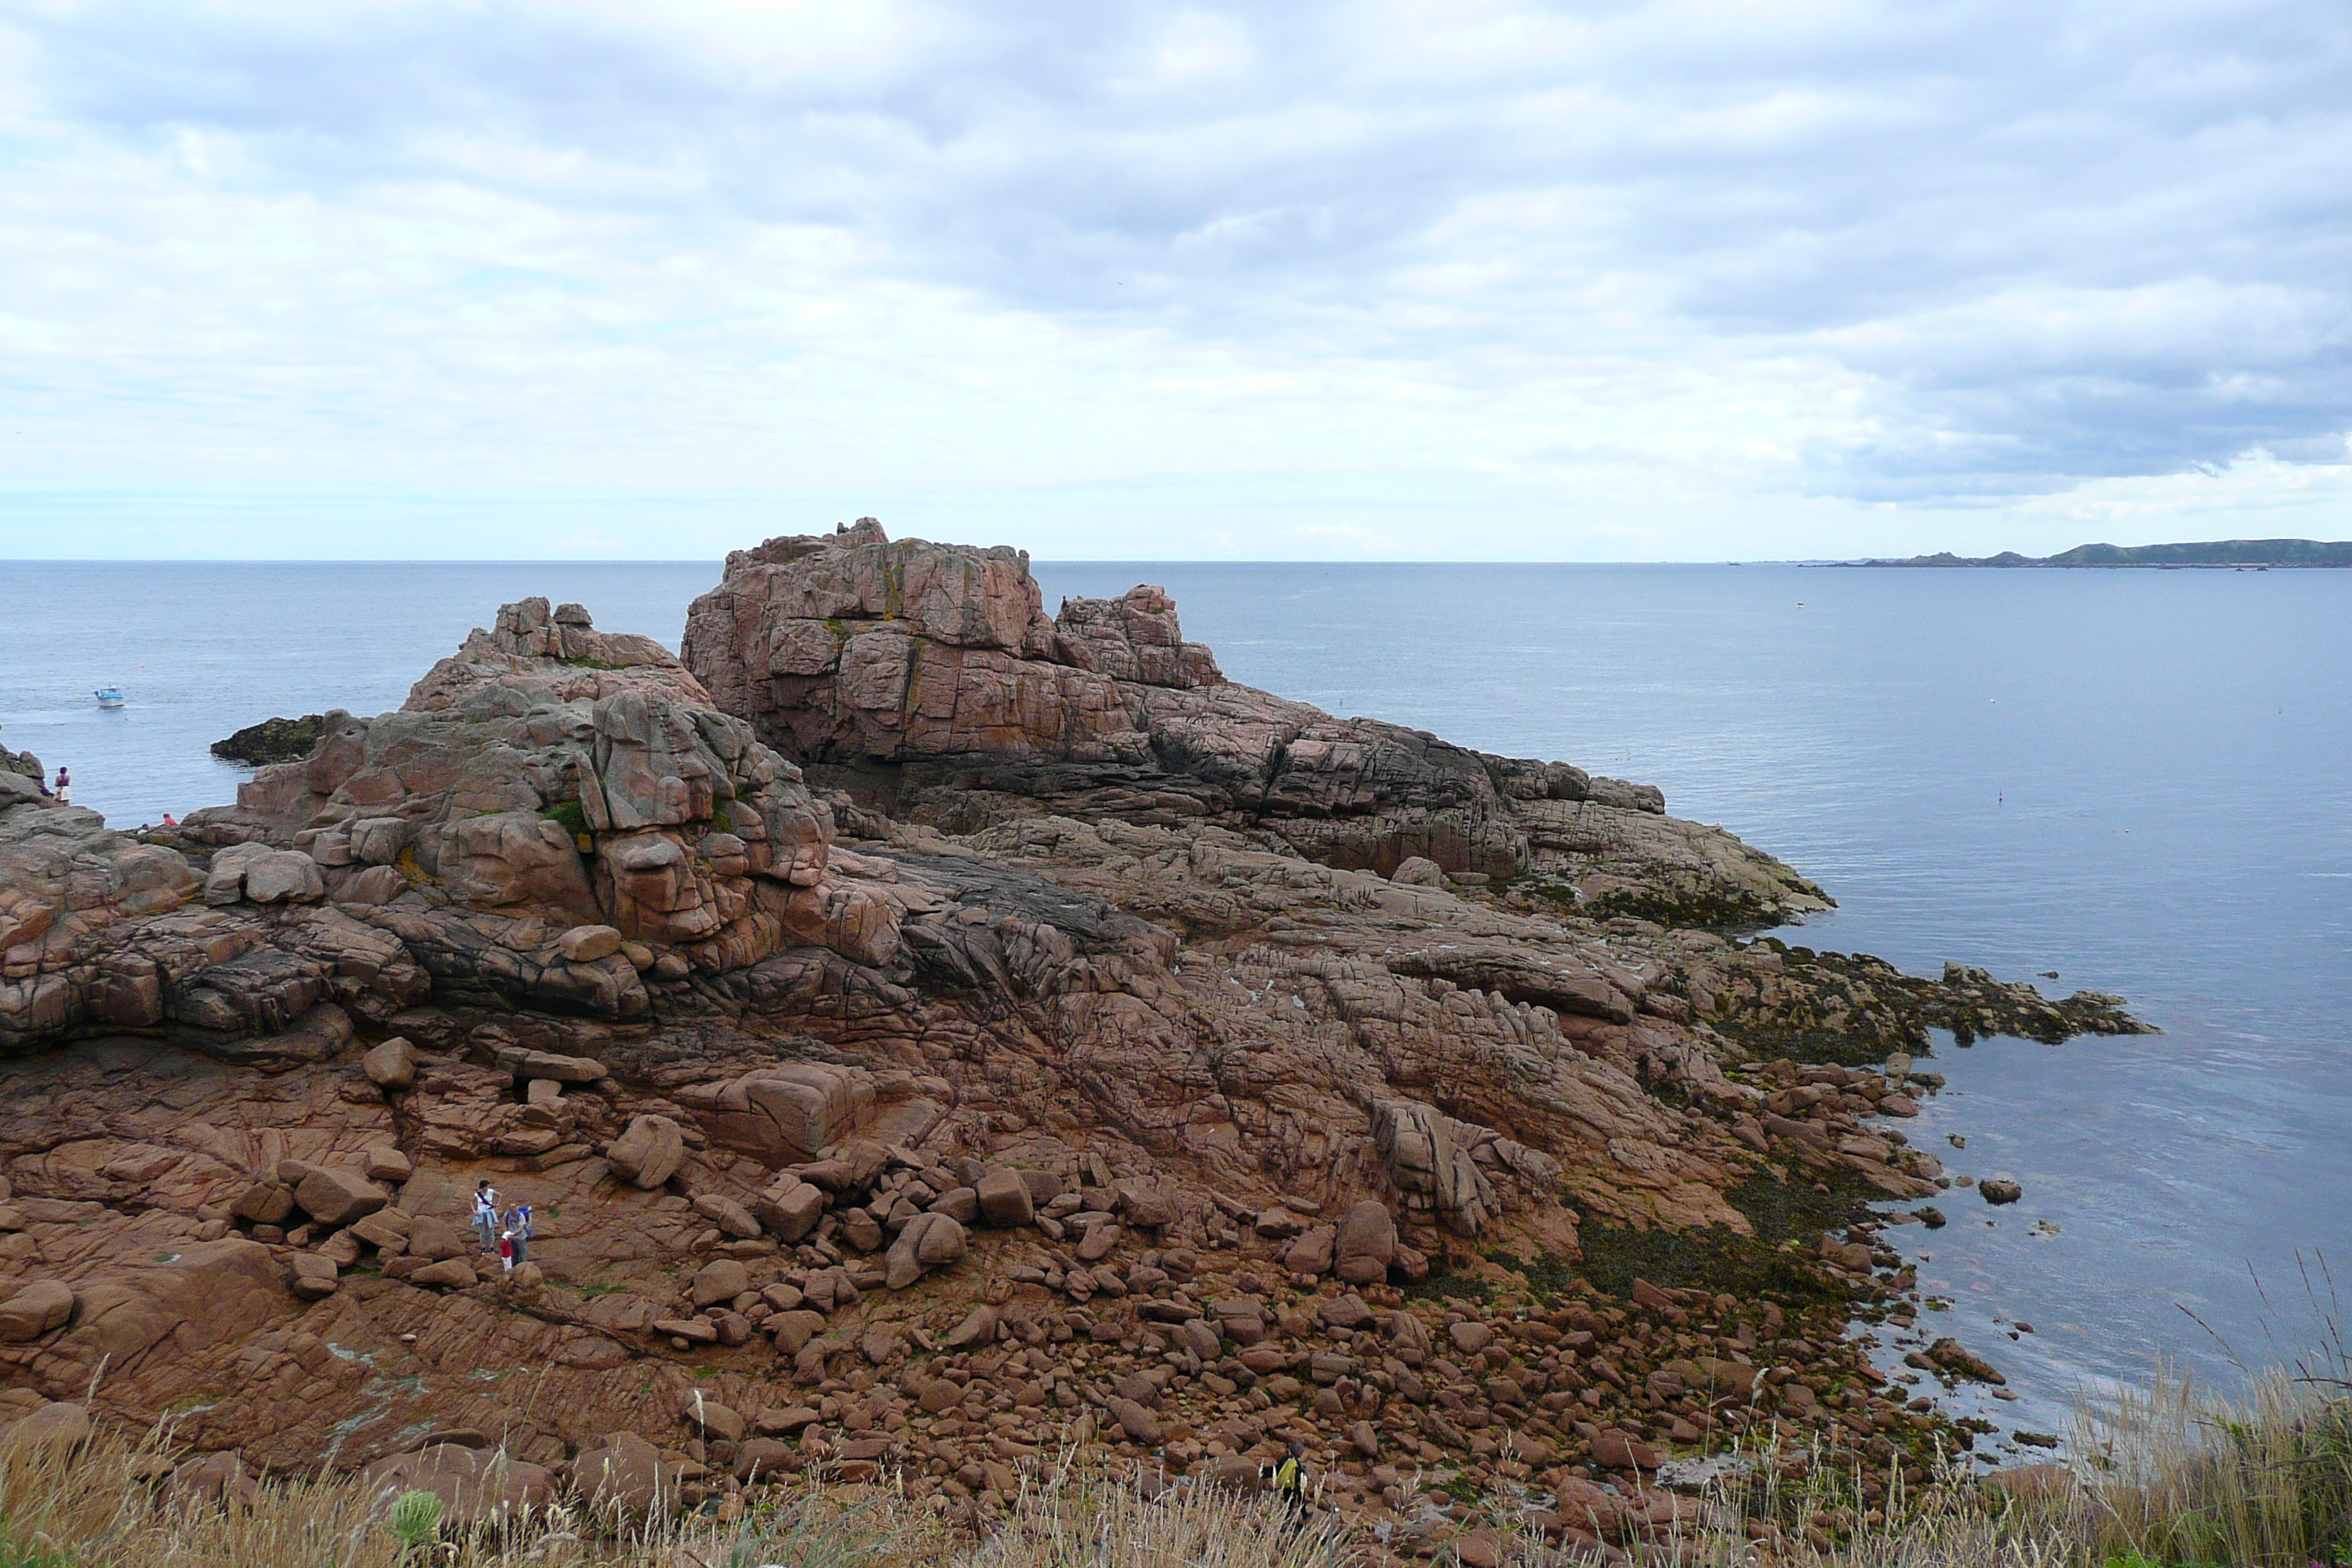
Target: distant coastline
<point x="2220" y="552"/>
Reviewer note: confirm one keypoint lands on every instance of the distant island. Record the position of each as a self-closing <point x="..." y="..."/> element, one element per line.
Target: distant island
<point x="2212" y="552"/>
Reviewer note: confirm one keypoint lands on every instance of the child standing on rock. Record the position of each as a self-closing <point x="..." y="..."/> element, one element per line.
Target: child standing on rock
<point x="507" y="1251"/>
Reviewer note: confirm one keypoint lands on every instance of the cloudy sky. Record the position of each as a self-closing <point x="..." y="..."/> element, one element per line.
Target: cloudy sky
<point x="1122" y="279"/>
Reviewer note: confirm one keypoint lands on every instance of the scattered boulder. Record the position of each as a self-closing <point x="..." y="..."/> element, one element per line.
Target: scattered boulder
<point x="1004" y="1199"/>
<point x="449" y="1273"/>
<point x="625" y="1476"/>
<point x="1311" y="1253"/>
<point x="791" y="1208"/>
<point x="218" y="1481"/>
<point x="283" y="877"/>
<point x="722" y="1279"/>
<point x="1948" y="1355"/>
<point x="1470" y="1336"/>
<point x="711" y="1418"/>
<point x="2000" y="1190"/>
<point x="929" y="1241"/>
<point x="1616" y="1451"/>
<point x="764" y="1458"/>
<point x="793" y="1331"/>
<point x="314" y="1275"/>
<point x="263" y="1203"/>
<point x="1366" y="1244"/>
<point x="1139" y="1424"/>
<point x="392" y="1066"/>
<point x="731" y="1217"/>
<point x="587" y="944"/>
<point x="1416" y="871"/>
<point x="978" y="1328"/>
<point x="335" y="1197"/>
<point x="477" y="1487"/>
<point x="387" y="1163"/>
<point x="59" y="1426"/>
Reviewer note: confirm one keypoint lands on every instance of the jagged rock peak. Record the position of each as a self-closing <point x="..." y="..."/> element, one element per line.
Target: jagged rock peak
<point x="554" y="653"/>
<point x="964" y="595"/>
<point x="786" y="548"/>
<point x="852" y="645"/>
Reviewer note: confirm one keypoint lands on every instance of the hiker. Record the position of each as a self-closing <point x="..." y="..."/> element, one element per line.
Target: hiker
<point x="519" y="1223"/>
<point x="63" y="794"/>
<point x="1290" y="1482"/>
<point x="507" y="1250"/>
<point x="169" y="821"/>
<point x="485" y="1214"/>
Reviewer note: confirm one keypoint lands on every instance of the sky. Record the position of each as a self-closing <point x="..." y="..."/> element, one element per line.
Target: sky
<point x="1479" y="280"/>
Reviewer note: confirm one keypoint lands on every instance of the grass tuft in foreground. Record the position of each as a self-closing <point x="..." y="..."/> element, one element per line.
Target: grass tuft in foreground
<point x="2165" y="1479"/>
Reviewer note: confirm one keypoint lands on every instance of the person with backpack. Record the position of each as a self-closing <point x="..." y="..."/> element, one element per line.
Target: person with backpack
<point x="1290" y="1482"/>
<point x="519" y="1225"/>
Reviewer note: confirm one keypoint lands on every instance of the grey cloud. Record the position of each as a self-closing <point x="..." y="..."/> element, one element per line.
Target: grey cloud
<point x="2044" y="242"/>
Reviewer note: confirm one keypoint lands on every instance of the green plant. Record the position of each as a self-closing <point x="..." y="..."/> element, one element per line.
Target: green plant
<point x="415" y="1522"/>
<point x="32" y="1554"/>
<point x="568" y="816"/>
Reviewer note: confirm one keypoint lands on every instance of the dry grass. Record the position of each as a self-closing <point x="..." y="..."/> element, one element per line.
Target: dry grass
<point x="96" y="1509"/>
<point x="2170" y="1479"/>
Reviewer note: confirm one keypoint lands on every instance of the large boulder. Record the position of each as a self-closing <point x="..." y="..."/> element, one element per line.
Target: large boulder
<point x="720" y="1280"/>
<point x="391" y="1065"/>
<point x="1367" y="1243"/>
<point x="790" y="1208"/>
<point x="286" y="877"/>
<point x="928" y="1241"/>
<point x="477" y="1487"/>
<point x="784" y="1113"/>
<point x="648" y="1151"/>
<point x="711" y="1418"/>
<point x="585" y="945"/>
<point x="626" y="1476"/>
<point x="35" y="1310"/>
<point x="335" y="1197"/>
<point x="1005" y="1199"/>
<point x="60" y="1426"/>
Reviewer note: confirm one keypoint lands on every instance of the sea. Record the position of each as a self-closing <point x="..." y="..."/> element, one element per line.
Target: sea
<point x="2138" y="782"/>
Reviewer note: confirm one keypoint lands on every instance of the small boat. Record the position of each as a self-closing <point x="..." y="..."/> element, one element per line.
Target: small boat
<point x="110" y="697"/>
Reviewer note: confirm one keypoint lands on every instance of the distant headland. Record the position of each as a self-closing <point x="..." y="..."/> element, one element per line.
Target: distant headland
<point x="2212" y="552"/>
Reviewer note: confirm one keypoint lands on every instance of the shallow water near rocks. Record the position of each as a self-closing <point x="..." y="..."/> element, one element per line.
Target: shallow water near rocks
<point x="2135" y="779"/>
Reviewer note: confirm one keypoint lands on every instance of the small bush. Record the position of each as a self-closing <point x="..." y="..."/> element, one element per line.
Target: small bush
<point x="567" y="814"/>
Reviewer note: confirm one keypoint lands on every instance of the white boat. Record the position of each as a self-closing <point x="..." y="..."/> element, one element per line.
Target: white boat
<point x="110" y="697"/>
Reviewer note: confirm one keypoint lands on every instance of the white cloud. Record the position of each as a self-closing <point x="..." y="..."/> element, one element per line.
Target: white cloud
<point x="1668" y="279"/>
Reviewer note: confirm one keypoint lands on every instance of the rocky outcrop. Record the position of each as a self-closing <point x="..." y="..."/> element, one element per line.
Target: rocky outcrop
<point x="932" y="675"/>
<point x="272" y="741"/>
<point x="1076" y="1077"/>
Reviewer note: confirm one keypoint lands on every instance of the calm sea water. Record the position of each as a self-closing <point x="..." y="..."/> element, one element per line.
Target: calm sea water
<point x="2138" y="780"/>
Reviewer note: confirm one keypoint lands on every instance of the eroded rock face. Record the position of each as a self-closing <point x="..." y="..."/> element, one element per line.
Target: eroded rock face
<point x="550" y="775"/>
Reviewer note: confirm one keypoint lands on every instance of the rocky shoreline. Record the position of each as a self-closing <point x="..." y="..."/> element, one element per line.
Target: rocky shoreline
<point x="936" y="1035"/>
